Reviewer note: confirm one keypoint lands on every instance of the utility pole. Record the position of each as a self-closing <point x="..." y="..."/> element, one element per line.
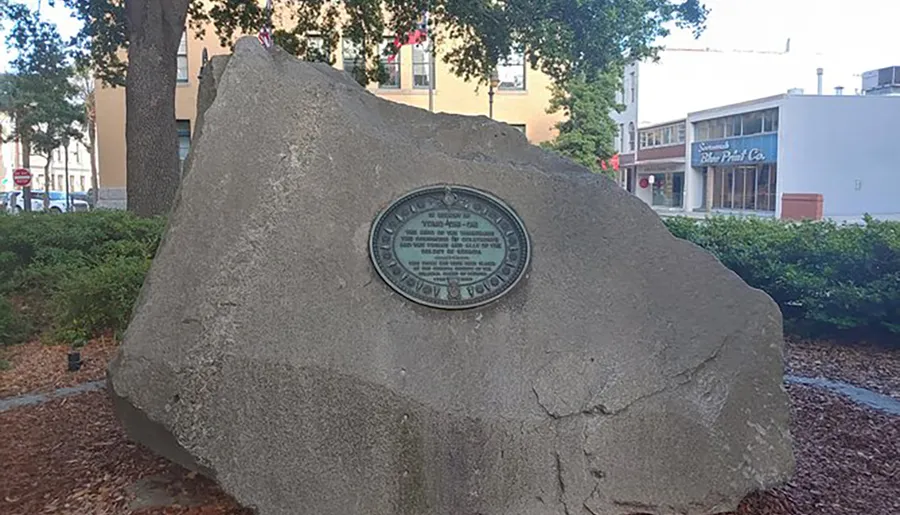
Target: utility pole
<point x="432" y="68"/>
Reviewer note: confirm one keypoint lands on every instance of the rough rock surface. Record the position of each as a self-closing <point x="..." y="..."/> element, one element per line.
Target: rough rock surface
<point x="629" y="372"/>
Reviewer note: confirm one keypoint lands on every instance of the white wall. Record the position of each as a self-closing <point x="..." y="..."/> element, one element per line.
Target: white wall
<point x="828" y="143"/>
<point x="629" y="114"/>
<point x="645" y="194"/>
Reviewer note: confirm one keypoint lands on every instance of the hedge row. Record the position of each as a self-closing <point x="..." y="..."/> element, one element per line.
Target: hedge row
<point x="830" y="280"/>
<point x="72" y="277"/>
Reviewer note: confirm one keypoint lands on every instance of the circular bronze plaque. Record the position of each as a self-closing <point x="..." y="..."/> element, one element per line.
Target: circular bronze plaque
<point x="450" y="247"/>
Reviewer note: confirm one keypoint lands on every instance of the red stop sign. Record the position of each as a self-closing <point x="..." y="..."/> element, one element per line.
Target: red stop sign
<point x="22" y="177"/>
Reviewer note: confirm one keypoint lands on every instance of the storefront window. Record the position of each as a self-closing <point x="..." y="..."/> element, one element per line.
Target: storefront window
<point x="662" y="136"/>
<point x="757" y="122"/>
<point x="717" y="128"/>
<point x="765" y="188"/>
<point x="744" y="188"/>
<point x="668" y="189"/>
<point x="770" y="120"/>
<point x="752" y="124"/>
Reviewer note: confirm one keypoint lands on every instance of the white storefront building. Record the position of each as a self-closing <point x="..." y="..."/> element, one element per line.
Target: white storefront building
<point x="796" y="156"/>
<point x="690" y="78"/>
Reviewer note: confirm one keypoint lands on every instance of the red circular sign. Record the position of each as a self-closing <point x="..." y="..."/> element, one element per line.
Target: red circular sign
<point x="21" y="177"/>
<point x="644" y="182"/>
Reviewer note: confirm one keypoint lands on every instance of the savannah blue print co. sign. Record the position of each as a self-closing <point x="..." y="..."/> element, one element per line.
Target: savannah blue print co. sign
<point x="748" y="150"/>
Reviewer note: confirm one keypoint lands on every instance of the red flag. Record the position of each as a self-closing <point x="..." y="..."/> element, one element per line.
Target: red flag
<point x="418" y="35"/>
<point x="615" y="162"/>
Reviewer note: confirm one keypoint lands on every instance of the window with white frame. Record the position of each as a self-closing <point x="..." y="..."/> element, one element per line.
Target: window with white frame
<point x="317" y="50"/>
<point x="390" y="64"/>
<point x="511" y="71"/>
<point x="182" y="75"/>
<point x="632" y="84"/>
<point x="421" y="62"/>
<point x="631" y="136"/>
<point x="183" y="127"/>
<point x="745" y="124"/>
<point x="351" y="55"/>
<point x="664" y="136"/>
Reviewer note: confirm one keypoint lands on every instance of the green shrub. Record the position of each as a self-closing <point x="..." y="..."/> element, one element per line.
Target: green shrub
<point x="829" y="280"/>
<point x="44" y="258"/>
<point x="28" y="238"/>
<point x="98" y="300"/>
<point x="80" y="274"/>
<point x="13" y="327"/>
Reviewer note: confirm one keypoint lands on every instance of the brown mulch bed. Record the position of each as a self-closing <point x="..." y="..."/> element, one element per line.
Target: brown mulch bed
<point x="39" y="368"/>
<point x="848" y="456"/>
<point x="70" y="455"/>
<point x="863" y="365"/>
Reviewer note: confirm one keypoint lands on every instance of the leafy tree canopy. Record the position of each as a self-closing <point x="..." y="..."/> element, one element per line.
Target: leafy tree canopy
<point x="562" y="38"/>
<point x="39" y="93"/>
<point x="588" y="133"/>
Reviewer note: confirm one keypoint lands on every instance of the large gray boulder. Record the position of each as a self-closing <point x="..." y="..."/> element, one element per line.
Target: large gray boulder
<point x="628" y="372"/>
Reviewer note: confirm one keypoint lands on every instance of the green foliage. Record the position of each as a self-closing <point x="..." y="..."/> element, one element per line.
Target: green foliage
<point x="39" y="94"/>
<point x="14" y="328"/>
<point x="80" y="273"/>
<point x="99" y="299"/>
<point x="588" y="133"/>
<point x="563" y="38"/>
<point x="829" y="280"/>
<point x="101" y="38"/>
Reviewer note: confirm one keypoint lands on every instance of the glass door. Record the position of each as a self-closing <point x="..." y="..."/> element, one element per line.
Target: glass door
<point x="668" y="190"/>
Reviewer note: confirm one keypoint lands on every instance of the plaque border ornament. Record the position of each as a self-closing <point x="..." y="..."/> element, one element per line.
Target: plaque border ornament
<point x="495" y="285"/>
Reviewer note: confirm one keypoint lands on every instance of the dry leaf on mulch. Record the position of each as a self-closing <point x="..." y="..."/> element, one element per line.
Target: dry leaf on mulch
<point x="848" y="456"/>
<point x="39" y="368"/>
<point x="70" y="456"/>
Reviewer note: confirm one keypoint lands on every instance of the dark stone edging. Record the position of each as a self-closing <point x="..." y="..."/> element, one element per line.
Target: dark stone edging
<point x="30" y="399"/>
<point x="861" y="396"/>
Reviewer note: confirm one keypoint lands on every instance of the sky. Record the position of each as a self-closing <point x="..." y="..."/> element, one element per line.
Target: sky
<point x="856" y="36"/>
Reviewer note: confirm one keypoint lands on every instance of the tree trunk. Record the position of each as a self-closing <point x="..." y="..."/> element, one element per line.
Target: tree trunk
<point x="46" y="195"/>
<point x="68" y="186"/>
<point x="95" y="177"/>
<point x="25" y="144"/>
<point x="154" y="32"/>
<point x="90" y="118"/>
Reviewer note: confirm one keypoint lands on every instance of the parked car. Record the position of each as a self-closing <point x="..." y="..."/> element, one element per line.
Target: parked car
<point x="14" y="203"/>
<point x="57" y="202"/>
<point x="4" y="200"/>
<point x="84" y="196"/>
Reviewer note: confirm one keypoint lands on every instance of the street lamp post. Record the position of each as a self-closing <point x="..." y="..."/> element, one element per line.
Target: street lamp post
<point x="495" y="81"/>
